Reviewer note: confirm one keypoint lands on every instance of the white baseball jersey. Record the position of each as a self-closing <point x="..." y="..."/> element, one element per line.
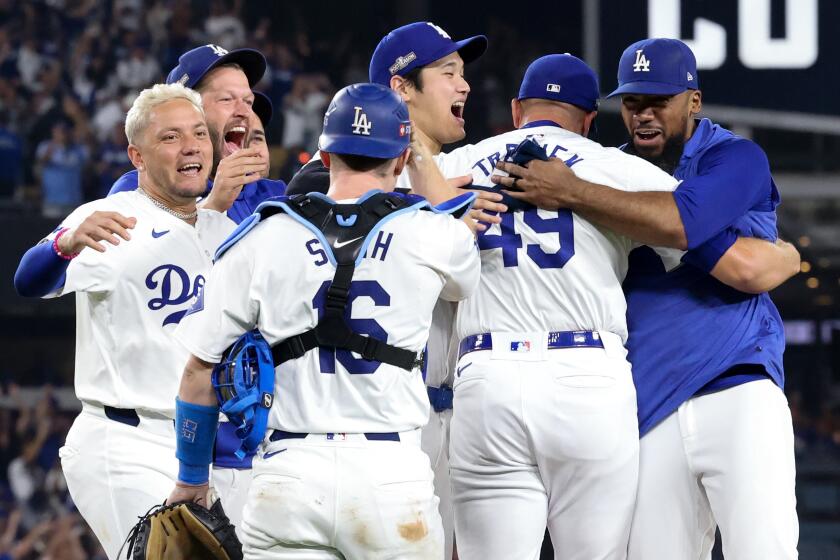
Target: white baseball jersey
<point x="280" y="288"/>
<point x="130" y="298"/>
<point x="552" y="271"/>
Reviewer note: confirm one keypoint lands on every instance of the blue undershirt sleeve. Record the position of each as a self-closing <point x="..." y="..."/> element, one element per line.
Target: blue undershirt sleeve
<point x="40" y="271"/>
<point x="733" y="178"/>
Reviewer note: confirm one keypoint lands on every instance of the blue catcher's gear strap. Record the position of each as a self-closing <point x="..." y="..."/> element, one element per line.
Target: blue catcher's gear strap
<point x="244" y="385"/>
<point x="195" y="433"/>
<point x="346" y="228"/>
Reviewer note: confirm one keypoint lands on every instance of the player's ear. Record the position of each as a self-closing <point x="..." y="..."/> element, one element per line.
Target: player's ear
<point x="401" y="86"/>
<point x="325" y="159"/>
<point x="136" y="157"/>
<point x="696" y="102"/>
<point x="402" y="159"/>
<point x="588" y="119"/>
<point x="516" y="112"/>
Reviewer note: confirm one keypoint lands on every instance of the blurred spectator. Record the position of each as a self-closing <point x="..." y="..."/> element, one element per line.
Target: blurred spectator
<point x="111" y="113"/>
<point x="223" y="27"/>
<point x="157" y="22"/>
<point x="113" y="160"/>
<point x="128" y="14"/>
<point x="62" y="162"/>
<point x="11" y="152"/>
<point x="28" y="61"/>
<point x="139" y="71"/>
<point x="303" y="111"/>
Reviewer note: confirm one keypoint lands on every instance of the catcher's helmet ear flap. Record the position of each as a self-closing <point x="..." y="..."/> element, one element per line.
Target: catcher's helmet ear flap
<point x="366" y="120"/>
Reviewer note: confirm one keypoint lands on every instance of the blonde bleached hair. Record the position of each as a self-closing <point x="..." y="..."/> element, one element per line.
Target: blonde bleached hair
<point x="137" y="118"/>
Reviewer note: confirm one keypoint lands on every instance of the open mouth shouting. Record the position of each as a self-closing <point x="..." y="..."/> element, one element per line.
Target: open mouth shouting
<point x="645" y="136"/>
<point x="192" y="169"/>
<point x="235" y="137"/>
<point x="457" y="110"/>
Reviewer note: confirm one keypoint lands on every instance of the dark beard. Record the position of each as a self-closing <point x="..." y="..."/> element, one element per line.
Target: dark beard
<point x="668" y="159"/>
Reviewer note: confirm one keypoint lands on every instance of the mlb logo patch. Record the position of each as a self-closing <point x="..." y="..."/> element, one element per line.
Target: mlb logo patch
<point x="336" y="437"/>
<point x="520" y="346"/>
<point x="553" y="88"/>
<point x="405" y="129"/>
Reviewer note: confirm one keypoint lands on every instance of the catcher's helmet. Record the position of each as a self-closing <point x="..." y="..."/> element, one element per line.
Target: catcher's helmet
<point x="366" y="120"/>
<point x="244" y="386"/>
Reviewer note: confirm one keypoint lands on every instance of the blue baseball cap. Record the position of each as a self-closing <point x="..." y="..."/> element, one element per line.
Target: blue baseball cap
<point x="418" y="44"/>
<point x="366" y="120"/>
<point x="657" y="67"/>
<point x="263" y="107"/>
<point x="195" y="64"/>
<point x="561" y="77"/>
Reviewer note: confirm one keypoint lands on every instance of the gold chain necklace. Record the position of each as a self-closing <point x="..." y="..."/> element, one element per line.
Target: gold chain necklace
<point x="166" y="208"/>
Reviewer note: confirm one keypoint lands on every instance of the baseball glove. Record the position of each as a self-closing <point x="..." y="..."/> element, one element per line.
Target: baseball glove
<point x="184" y="531"/>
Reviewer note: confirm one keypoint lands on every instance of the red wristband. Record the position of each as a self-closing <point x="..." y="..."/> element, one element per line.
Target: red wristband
<point x="58" y="252"/>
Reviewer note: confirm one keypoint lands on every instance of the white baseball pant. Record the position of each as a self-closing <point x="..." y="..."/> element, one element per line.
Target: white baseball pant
<point x="724" y="458"/>
<point x="435" y="443"/>
<point x="115" y="472"/>
<point x="547" y="442"/>
<point x="343" y="498"/>
<point x="232" y="486"/>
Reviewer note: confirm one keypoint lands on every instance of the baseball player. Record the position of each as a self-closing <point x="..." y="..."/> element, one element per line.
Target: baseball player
<point x="341" y="473"/>
<point x="544" y="419"/>
<point x="426" y="67"/>
<point x="132" y="289"/>
<point x="240" y="165"/>
<point x="717" y="440"/>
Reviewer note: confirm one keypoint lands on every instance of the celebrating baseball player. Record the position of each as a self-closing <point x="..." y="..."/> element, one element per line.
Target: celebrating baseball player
<point x="717" y="440"/>
<point x="136" y="261"/>
<point x="426" y="67"/>
<point x="544" y="417"/>
<point x="345" y="305"/>
<point x="240" y="165"/>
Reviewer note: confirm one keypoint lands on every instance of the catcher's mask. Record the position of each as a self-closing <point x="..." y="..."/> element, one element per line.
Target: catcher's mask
<point x="244" y="386"/>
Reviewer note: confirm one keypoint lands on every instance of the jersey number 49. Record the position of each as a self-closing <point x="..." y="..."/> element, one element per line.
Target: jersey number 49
<point x="510" y="242"/>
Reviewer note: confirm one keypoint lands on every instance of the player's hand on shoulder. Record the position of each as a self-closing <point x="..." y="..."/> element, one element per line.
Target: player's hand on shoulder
<point x="189" y="493"/>
<point x="236" y="170"/>
<point x="99" y="226"/>
<point x="487" y="201"/>
<point x="545" y="184"/>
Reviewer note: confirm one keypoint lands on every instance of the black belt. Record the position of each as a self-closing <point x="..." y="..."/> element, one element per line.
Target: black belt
<point x="278" y="435"/>
<point x="123" y="415"/>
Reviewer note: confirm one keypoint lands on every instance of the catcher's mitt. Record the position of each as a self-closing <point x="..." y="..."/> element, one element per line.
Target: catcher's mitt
<point x="183" y="531"/>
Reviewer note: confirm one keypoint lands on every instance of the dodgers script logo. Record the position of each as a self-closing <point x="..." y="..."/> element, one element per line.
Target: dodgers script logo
<point x="175" y="289"/>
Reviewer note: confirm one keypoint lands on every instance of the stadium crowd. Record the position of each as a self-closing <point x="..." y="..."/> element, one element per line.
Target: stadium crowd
<point x="70" y="70"/>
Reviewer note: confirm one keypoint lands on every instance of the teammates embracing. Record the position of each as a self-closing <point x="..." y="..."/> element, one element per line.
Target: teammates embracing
<point x="396" y="273"/>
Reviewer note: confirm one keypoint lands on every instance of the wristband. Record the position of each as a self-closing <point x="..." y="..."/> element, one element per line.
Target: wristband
<point x="58" y="252"/>
<point x="195" y="435"/>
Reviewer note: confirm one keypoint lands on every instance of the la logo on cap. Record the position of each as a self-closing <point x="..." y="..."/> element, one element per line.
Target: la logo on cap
<point x="642" y="63"/>
<point x="361" y="125"/>
<point x="440" y="30"/>
<point x="217" y="50"/>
